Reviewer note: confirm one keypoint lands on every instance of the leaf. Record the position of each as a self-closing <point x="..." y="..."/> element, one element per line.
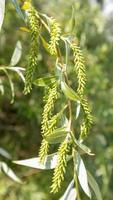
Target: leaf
<point x="78" y="109"/>
<point x="4" y="153"/>
<point x="57" y="136"/>
<point x="16" y="69"/>
<point x="9" y="172"/>
<point x="19" y="73"/>
<point x="16" y="54"/>
<point x="16" y="4"/>
<point x="69" y="92"/>
<point x="11" y="86"/>
<point x="24" y="29"/>
<point x="49" y="163"/>
<point x="45" y="81"/>
<point x="70" y="193"/>
<point x="2" y="12"/>
<point x="83" y="147"/>
<point x="82" y="175"/>
<point x="1" y="87"/>
<point x="94" y="186"/>
<point x="45" y="44"/>
<point x="58" y="70"/>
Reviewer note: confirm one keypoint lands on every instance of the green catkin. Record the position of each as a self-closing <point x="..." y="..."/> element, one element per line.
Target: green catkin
<point x="33" y="24"/>
<point x="81" y="76"/>
<point x="60" y="169"/>
<point x="79" y="67"/>
<point x="44" y="145"/>
<point x="43" y="150"/>
<point x="47" y="113"/>
<point x="48" y="122"/>
<point x="55" y="32"/>
<point x="85" y="126"/>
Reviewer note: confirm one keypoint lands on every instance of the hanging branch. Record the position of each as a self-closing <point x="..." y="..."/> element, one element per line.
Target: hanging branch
<point x="57" y="123"/>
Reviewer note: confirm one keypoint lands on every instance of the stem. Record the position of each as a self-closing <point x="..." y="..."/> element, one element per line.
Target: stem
<point x="75" y="174"/>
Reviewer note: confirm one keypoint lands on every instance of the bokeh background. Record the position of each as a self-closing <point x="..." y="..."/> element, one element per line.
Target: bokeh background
<point x="20" y="121"/>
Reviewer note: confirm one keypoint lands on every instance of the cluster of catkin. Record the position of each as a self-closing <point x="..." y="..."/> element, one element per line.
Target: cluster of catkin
<point x="49" y="119"/>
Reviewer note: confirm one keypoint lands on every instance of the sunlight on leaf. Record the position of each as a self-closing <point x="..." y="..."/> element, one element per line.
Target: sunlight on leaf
<point x="82" y="175"/>
<point x="4" y="153"/>
<point x="70" y="193"/>
<point x="2" y="12"/>
<point x="9" y="172"/>
<point x="78" y="109"/>
<point x="49" y="163"/>
<point x="16" y="54"/>
<point x="1" y="87"/>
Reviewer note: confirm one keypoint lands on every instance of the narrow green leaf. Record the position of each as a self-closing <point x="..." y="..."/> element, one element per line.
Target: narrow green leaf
<point x="45" y="44"/>
<point x="69" y="92"/>
<point x="16" y="69"/>
<point x="78" y="109"/>
<point x="2" y="11"/>
<point x="16" y="4"/>
<point x="49" y="163"/>
<point x="70" y="193"/>
<point x="58" y="71"/>
<point x="11" y="86"/>
<point x="57" y="136"/>
<point x="16" y="54"/>
<point x="83" y="147"/>
<point x="82" y="175"/>
<point x="94" y="185"/>
<point x="9" y="172"/>
<point x="4" y="153"/>
<point x="45" y="81"/>
<point x="1" y="87"/>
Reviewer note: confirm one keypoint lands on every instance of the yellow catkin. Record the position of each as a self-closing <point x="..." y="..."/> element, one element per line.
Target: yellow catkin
<point x="85" y="126"/>
<point x="48" y="122"/>
<point x="79" y="67"/>
<point x="52" y="96"/>
<point x="60" y="169"/>
<point x="55" y="32"/>
<point x="43" y="150"/>
<point x="34" y="27"/>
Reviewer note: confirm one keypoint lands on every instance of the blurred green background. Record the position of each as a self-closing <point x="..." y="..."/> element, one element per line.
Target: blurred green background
<point x="20" y="121"/>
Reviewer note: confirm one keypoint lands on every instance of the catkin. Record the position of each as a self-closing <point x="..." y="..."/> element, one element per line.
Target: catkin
<point x="47" y="113"/>
<point x="85" y="126"/>
<point x="55" y="32"/>
<point x="60" y="169"/>
<point x="43" y="150"/>
<point x="79" y="67"/>
<point x="33" y="24"/>
<point x="48" y="122"/>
